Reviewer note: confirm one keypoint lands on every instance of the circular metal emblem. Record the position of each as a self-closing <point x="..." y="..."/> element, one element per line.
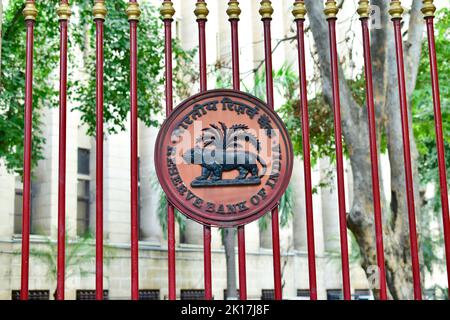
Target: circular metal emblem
<point x="223" y="158"/>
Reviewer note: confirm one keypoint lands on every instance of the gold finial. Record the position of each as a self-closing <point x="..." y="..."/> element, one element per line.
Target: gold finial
<point x="167" y="11"/>
<point x="99" y="10"/>
<point x="363" y="9"/>
<point x="266" y="10"/>
<point x="201" y="11"/>
<point x="331" y="9"/>
<point x="233" y="10"/>
<point x="64" y="11"/>
<point x="428" y="8"/>
<point x="299" y="10"/>
<point x="30" y="12"/>
<point x="396" y="10"/>
<point x="133" y="11"/>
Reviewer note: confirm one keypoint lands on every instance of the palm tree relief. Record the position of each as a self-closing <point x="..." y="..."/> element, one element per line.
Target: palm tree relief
<point x="223" y="150"/>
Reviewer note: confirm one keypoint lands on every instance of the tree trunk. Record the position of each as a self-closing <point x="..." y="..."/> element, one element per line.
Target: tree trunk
<point x="360" y="219"/>
<point x="265" y="235"/>
<point x="229" y="242"/>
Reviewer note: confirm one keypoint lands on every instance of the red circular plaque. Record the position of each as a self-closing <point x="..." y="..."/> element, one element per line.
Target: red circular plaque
<point x="223" y="158"/>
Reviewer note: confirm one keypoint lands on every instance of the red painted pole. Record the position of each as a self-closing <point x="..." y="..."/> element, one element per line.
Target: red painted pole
<point x="207" y="262"/>
<point x="407" y="154"/>
<point x="99" y="17"/>
<point x="167" y="12"/>
<point x="276" y="255"/>
<point x="201" y="12"/>
<point x="30" y="18"/>
<point x="235" y="54"/>
<point x="233" y="13"/>
<point x="242" y="263"/>
<point x="300" y="19"/>
<point x="171" y="251"/>
<point x="374" y="157"/>
<point x="202" y="54"/>
<point x="133" y="17"/>
<point x="275" y="215"/>
<point x="64" y="13"/>
<point x="339" y="155"/>
<point x="439" y="140"/>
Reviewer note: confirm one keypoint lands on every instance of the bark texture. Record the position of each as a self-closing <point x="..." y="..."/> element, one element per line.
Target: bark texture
<point x="360" y="219"/>
<point x="229" y="242"/>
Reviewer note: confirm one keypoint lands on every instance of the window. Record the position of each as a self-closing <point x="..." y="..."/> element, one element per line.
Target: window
<point x="334" y="294"/>
<point x="151" y="294"/>
<point x="32" y="295"/>
<point x="192" y="294"/>
<point x="303" y="294"/>
<point x="18" y="207"/>
<point x="267" y="294"/>
<point x="90" y="294"/>
<point x="83" y="187"/>
<point x="84" y="156"/>
<point x="362" y="294"/>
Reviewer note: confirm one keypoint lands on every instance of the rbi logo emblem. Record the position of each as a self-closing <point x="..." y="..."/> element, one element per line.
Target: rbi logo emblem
<point x="223" y="158"/>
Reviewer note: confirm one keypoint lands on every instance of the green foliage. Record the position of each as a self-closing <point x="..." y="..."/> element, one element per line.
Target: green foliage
<point x="117" y="67"/>
<point x="12" y="81"/>
<point x="82" y="91"/>
<point x="320" y="116"/>
<point x="162" y="209"/>
<point x="334" y="256"/>
<point x="424" y="132"/>
<point x="285" y="210"/>
<point x="80" y="256"/>
<point x="422" y="101"/>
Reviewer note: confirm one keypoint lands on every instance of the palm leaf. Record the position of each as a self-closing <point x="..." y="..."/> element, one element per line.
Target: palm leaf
<point x="243" y="136"/>
<point x="236" y="127"/>
<point x="214" y="135"/>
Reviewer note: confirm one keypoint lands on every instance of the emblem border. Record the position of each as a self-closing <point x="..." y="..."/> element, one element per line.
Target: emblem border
<point x="200" y="217"/>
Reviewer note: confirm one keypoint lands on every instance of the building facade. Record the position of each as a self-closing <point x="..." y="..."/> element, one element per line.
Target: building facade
<point x="153" y="245"/>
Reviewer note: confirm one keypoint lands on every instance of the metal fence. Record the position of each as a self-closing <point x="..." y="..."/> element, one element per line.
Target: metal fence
<point x="299" y="15"/>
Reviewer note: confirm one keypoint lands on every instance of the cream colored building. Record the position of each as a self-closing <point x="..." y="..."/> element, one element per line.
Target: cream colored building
<point x="153" y="245"/>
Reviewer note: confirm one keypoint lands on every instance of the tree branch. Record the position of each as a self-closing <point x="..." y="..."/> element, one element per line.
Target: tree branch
<point x="351" y="113"/>
<point x="413" y="45"/>
<point x="379" y="39"/>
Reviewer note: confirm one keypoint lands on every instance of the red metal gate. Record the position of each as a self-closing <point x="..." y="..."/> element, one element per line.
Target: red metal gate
<point x="201" y="12"/>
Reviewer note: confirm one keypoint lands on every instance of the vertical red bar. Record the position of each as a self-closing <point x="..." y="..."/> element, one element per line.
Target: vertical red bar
<point x="299" y="14"/>
<point x="167" y="12"/>
<point x="235" y="54"/>
<point x="331" y="12"/>
<point x="201" y="20"/>
<point x="99" y="18"/>
<point x="242" y="263"/>
<point x="207" y="261"/>
<point x="266" y="13"/>
<point x="439" y="139"/>
<point x="374" y="153"/>
<point x="396" y="12"/>
<point x="133" y="12"/>
<point x="64" y="14"/>
<point x="276" y="255"/>
<point x="30" y="14"/>
<point x="201" y="12"/>
<point x="233" y="12"/>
